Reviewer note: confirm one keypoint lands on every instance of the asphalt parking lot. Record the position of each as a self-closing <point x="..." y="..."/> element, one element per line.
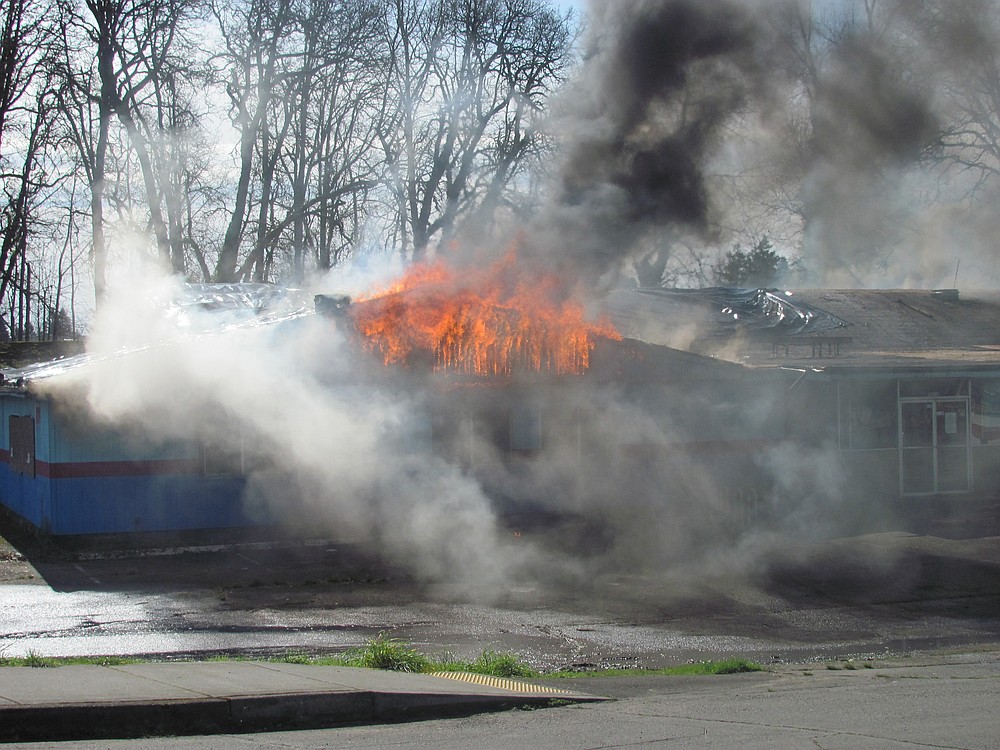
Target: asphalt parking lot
<point x="873" y="596"/>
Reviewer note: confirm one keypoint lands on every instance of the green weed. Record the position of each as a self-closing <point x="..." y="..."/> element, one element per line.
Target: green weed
<point x="724" y="666"/>
<point x="33" y="659"/>
<point x="383" y="652"/>
<point x="393" y="654"/>
<point x="501" y="665"/>
<point x="295" y="657"/>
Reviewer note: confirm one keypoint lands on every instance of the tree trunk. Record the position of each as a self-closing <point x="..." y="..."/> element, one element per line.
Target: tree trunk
<point x="225" y="269"/>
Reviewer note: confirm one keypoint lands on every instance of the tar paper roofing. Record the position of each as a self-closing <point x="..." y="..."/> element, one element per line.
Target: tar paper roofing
<point x="832" y="329"/>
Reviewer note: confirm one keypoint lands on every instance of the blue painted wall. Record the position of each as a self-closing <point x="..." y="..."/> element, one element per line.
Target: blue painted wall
<point x="27" y="497"/>
<point x="94" y="479"/>
<point x="102" y="505"/>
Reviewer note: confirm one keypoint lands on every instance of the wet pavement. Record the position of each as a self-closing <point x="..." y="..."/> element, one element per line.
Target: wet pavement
<point x="873" y="596"/>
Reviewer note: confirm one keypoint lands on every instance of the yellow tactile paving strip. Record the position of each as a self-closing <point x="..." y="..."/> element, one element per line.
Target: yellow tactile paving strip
<point x="499" y="682"/>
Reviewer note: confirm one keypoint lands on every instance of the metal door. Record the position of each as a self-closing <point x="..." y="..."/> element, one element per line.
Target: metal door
<point x="934" y="446"/>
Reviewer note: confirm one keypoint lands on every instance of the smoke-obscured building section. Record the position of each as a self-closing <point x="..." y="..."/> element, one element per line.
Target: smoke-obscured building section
<point x="902" y="383"/>
<point x="66" y="471"/>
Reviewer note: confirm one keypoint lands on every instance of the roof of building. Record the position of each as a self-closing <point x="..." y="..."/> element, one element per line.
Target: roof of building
<point x="819" y="328"/>
<point x="815" y="329"/>
<point x="14" y="354"/>
<point x="189" y="310"/>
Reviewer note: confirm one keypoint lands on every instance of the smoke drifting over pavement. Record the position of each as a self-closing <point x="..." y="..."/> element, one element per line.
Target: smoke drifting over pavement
<point x="334" y="443"/>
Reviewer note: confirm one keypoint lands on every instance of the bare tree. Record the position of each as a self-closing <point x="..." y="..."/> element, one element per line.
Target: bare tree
<point x="253" y="35"/>
<point x="471" y="76"/>
<point x="334" y="100"/>
<point x="26" y="117"/>
<point x="17" y="49"/>
<point x="307" y="87"/>
<point x="963" y="42"/>
<point x="15" y="268"/>
<point x="120" y="70"/>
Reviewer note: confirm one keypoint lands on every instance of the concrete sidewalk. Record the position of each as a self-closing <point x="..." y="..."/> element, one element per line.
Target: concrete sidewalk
<point x="184" y="698"/>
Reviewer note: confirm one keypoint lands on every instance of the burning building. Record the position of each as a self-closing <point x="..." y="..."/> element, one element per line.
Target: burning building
<point x="740" y="405"/>
<point x="492" y="321"/>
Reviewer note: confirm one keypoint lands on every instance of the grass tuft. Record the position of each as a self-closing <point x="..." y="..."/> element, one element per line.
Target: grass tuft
<point x="732" y="666"/>
<point x="723" y="666"/>
<point x="393" y="654"/>
<point x="501" y="665"/>
<point x="295" y="657"/>
<point x="35" y="660"/>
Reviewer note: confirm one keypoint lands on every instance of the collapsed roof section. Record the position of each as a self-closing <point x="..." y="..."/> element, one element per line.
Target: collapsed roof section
<point x="195" y="310"/>
<point x="213" y="306"/>
<point x="704" y="328"/>
<point x="829" y="328"/>
<point x="707" y="320"/>
<point x="769" y="310"/>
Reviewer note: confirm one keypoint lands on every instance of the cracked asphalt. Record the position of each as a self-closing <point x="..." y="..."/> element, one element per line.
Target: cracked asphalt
<point x="946" y="701"/>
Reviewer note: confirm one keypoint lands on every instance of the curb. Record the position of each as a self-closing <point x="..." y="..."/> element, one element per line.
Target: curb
<point x="244" y="714"/>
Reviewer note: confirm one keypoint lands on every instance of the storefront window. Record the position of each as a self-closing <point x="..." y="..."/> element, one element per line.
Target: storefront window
<point x="868" y="414"/>
<point x="525" y="429"/>
<point x="986" y="412"/>
<point x="934" y="387"/>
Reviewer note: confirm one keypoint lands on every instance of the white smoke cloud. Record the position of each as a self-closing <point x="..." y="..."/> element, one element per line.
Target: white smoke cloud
<point x="334" y="448"/>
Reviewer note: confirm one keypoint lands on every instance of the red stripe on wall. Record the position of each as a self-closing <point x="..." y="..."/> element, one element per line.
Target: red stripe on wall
<point x="727" y="446"/>
<point x="91" y="469"/>
<point x="85" y="469"/>
<point x="699" y="448"/>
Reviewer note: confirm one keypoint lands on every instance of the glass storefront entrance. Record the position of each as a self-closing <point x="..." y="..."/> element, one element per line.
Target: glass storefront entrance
<point x="934" y="445"/>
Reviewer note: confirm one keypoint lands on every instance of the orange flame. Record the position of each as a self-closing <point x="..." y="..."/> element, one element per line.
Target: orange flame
<point x="484" y="321"/>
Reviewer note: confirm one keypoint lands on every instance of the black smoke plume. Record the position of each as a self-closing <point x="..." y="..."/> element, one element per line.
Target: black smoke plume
<point x="660" y="82"/>
<point x="674" y="93"/>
